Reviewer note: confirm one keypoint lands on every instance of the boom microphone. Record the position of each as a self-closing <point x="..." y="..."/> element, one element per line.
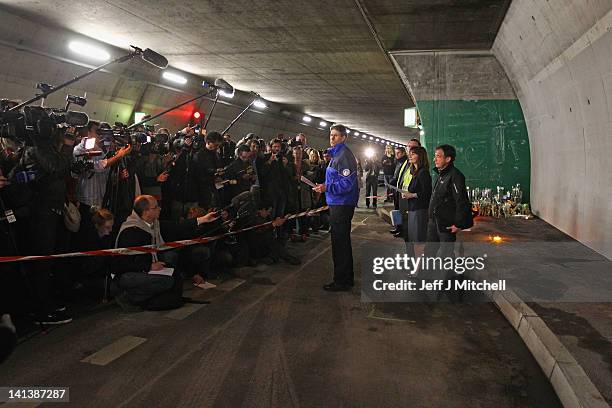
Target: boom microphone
<point x="222" y="85"/>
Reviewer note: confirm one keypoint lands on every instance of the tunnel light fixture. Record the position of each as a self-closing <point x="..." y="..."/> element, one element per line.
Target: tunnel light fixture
<point x="364" y="136"/>
<point x="323" y="123"/>
<point x="377" y="140"/>
<point x="307" y="119"/>
<point x="371" y="138"/>
<point x="173" y="77"/>
<point x="260" y="104"/>
<point x="356" y="133"/>
<point x="226" y="94"/>
<point x="369" y="153"/>
<point x="89" y="50"/>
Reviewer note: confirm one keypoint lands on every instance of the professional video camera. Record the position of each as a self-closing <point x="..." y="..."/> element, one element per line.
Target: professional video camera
<point x="155" y="144"/>
<point x="243" y="208"/>
<point x="35" y="124"/>
<point x="188" y="141"/>
<point x="161" y="144"/>
<point x="293" y="143"/>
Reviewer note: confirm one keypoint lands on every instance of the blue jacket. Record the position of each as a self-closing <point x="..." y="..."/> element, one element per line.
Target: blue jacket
<point x="341" y="186"/>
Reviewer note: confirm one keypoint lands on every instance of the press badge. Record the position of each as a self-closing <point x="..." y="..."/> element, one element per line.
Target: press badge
<point x="10" y="217"/>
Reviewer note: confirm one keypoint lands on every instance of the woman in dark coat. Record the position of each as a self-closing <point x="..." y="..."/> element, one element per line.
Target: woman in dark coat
<point x="415" y="202"/>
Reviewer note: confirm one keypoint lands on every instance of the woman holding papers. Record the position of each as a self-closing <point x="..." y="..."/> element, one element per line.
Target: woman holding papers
<point x="415" y="201"/>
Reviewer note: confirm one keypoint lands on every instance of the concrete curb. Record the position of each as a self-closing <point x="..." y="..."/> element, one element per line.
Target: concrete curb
<point x="571" y="383"/>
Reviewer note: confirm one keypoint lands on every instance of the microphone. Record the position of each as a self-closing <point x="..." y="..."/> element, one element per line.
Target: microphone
<point x="222" y="85"/>
<point x="154" y="58"/>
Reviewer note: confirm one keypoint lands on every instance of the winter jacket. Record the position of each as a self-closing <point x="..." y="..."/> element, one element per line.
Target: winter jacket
<point x="449" y="203"/>
<point x="341" y="186"/>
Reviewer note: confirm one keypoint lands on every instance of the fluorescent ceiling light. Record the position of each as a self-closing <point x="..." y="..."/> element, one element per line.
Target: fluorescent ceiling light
<point x="356" y="133"/>
<point x="377" y="139"/>
<point x="226" y="94"/>
<point x="371" y="138"/>
<point x="260" y="104"/>
<point x="88" y="50"/>
<point x="307" y="119"/>
<point x="176" y="78"/>
<point x="364" y="136"/>
<point x="323" y="123"/>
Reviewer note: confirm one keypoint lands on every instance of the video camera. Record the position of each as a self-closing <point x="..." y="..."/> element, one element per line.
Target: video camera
<point x="36" y="124"/>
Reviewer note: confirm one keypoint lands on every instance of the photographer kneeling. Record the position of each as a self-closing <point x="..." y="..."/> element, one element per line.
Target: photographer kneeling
<point x="261" y="243"/>
<point x="146" y="280"/>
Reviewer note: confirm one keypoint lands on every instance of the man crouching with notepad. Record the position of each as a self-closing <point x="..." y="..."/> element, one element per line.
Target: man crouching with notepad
<point x="149" y="281"/>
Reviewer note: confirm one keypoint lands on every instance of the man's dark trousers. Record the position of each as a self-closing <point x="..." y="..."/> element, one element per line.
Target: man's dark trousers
<point x="340" y="217"/>
<point x="442" y="244"/>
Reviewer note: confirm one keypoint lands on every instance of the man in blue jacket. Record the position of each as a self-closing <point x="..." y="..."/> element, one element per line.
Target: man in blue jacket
<point x="341" y="193"/>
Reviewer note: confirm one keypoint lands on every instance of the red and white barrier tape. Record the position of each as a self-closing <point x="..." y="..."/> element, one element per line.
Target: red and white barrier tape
<point x="149" y="249"/>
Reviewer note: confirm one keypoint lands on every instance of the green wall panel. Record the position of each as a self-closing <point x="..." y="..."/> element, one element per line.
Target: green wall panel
<point x="490" y="137"/>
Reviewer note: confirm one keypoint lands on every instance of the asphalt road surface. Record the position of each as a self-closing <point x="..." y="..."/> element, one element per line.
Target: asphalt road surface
<point x="276" y="339"/>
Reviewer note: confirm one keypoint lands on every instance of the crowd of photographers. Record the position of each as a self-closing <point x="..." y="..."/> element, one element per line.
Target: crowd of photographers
<point x="100" y="186"/>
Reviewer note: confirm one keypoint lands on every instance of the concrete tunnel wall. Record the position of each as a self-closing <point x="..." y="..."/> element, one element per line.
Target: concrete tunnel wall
<point x="558" y="56"/>
<point x="465" y="99"/>
<point x="555" y="59"/>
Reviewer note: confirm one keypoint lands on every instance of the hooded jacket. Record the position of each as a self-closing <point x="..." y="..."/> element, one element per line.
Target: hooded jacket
<point x="136" y="232"/>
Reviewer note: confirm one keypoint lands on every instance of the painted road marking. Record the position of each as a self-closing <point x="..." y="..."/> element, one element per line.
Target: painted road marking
<point x="114" y="350"/>
<point x="184" y="311"/>
<point x="230" y="284"/>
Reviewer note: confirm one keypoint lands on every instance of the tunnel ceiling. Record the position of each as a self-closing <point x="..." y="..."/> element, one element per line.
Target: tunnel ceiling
<point x="437" y="24"/>
<point x="319" y="57"/>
